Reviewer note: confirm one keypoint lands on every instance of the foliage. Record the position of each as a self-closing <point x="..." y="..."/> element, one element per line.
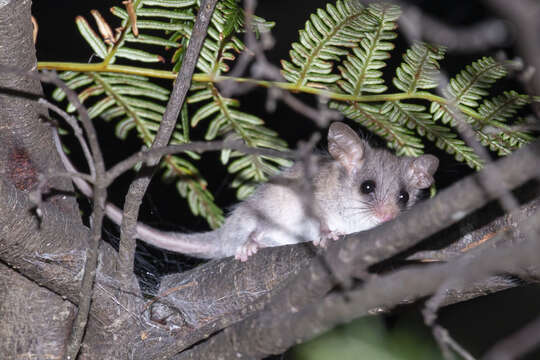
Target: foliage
<point x="359" y="72"/>
<point x="136" y="103"/>
<point x="341" y="54"/>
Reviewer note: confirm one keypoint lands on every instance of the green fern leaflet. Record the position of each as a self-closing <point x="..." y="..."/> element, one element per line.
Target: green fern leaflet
<point x="316" y="57"/>
<point x="341" y="54"/>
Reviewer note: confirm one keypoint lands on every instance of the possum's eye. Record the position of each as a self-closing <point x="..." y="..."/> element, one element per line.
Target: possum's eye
<point x="403" y="198"/>
<point x="367" y="187"/>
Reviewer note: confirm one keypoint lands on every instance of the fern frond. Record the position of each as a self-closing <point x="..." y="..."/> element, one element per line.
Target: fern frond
<point x="492" y="143"/>
<point x="227" y="120"/>
<point x="221" y="43"/>
<point x="414" y="116"/>
<point x="497" y="111"/>
<point x="325" y="38"/>
<point x="420" y="68"/>
<point x="137" y="104"/>
<point x="398" y="137"/>
<point x="360" y="72"/>
<point x="470" y="84"/>
<point x="200" y="200"/>
<point x="95" y="42"/>
<point x="492" y="125"/>
<point x="342" y="49"/>
<point x="233" y="19"/>
<point x="512" y="136"/>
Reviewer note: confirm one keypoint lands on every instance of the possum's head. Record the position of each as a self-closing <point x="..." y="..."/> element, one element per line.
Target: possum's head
<point x="380" y="184"/>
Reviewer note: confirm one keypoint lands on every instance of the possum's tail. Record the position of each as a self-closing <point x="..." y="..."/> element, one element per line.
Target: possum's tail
<point x="202" y="245"/>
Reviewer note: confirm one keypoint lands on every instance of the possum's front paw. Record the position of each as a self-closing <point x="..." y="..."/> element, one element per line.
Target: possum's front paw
<point x="325" y="235"/>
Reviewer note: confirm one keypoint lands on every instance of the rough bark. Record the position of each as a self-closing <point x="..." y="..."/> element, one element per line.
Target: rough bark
<point x="27" y="308"/>
<point x="42" y="257"/>
<point x="282" y="295"/>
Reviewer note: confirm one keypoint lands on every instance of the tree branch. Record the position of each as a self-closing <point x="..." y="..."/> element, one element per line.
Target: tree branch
<point x="355" y="253"/>
<point x="520" y="343"/>
<point x="523" y="15"/>
<point x="100" y="197"/>
<point x="276" y="328"/>
<point x="137" y="189"/>
<point x="481" y="36"/>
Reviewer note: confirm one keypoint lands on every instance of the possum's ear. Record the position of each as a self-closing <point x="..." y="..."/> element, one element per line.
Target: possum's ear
<point x="421" y="170"/>
<point x="346" y="147"/>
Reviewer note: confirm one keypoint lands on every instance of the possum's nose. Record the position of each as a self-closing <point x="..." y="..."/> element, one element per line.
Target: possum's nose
<point x="386" y="212"/>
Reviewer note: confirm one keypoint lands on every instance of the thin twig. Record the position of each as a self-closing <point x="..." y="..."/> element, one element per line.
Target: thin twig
<point x="100" y="194"/>
<point x="523" y="15"/>
<point x="262" y="68"/>
<point x="126" y="252"/>
<point x="491" y="184"/>
<point x="195" y="146"/>
<point x="447" y="344"/>
<point x="77" y="131"/>
<point x="477" y="37"/>
<point x="414" y="30"/>
<point x="114" y="213"/>
<point x="520" y="343"/>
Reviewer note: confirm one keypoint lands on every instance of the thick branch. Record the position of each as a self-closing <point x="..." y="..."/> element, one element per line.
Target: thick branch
<point x="274" y="331"/>
<point x="357" y="252"/>
<point x="201" y="302"/>
<point x="518" y="344"/>
<point x="25" y="151"/>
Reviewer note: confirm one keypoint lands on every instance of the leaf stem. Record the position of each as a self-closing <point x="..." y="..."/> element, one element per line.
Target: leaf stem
<point x="163" y="74"/>
<point x="126" y="25"/>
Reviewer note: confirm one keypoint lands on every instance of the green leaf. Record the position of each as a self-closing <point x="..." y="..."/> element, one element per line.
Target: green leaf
<point x="91" y="37"/>
<point x="325" y="38"/>
<point x="73" y="83"/>
<point x="492" y="129"/>
<point x="372" y="117"/>
<point x="471" y="84"/>
<point x="123" y="127"/>
<point x="414" y="116"/>
<point x="360" y="72"/>
<point x="100" y="107"/>
<point x="152" y="40"/>
<point x="204" y="112"/>
<point x="420" y="68"/>
<point x="161" y="25"/>
<point x="501" y="108"/>
<point x="170" y="3"/>
<point x="233" y="17"/>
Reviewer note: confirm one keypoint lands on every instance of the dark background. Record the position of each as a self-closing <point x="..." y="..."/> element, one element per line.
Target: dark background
<point x="475" y="324"/>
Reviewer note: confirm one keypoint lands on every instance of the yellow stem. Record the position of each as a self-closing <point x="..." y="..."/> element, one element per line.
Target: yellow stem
<point x="162" y="74"/>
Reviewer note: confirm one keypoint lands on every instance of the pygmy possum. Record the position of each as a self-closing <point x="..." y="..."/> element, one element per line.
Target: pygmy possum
<point x="353" y="188"/>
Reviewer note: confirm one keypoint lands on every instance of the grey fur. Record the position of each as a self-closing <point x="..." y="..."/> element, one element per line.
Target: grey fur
<point x="282" y="211"/>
